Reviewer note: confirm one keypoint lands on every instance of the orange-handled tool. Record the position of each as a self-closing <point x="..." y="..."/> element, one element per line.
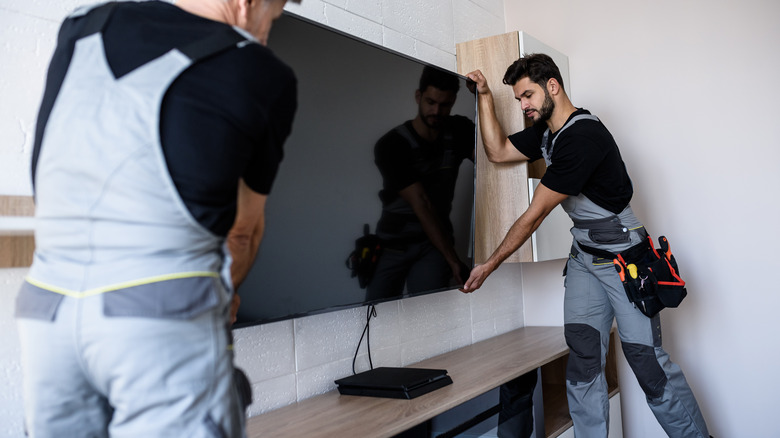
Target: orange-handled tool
<point x="665" y="247"/>
<point x="620" y="270"/>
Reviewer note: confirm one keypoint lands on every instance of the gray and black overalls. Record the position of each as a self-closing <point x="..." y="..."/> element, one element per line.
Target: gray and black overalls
<point x="123" y="315"/>
<point x="594" y="297"/>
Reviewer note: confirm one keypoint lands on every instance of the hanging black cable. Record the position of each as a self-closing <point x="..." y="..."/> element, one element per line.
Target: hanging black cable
<point x="370" y="312"/>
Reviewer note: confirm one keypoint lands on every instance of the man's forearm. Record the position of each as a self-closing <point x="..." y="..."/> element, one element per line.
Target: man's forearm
<point x="243" y="249"/>
<point x="517" y="235"/>
<point x="493" y="135"/>
<point x="545" y="200"/>
<point x="433" y="230"/>
<point x="432" y="226"/>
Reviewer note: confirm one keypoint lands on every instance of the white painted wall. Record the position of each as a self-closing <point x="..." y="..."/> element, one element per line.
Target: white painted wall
<point x="290" y="360"/>
<point x="690" y="91"/>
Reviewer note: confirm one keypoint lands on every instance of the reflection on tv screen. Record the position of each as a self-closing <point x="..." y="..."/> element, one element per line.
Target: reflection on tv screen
<point x="374" y="198"/>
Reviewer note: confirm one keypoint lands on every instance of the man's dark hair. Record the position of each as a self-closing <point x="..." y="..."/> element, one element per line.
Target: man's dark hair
<point x="538" y="67"/>
<point x="443" y="80"/>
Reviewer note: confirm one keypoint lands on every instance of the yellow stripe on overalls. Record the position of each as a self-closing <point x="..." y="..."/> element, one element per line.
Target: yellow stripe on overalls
<point x="118" y="286"/>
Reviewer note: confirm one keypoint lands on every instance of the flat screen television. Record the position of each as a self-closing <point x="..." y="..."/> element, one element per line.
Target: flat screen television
<point x="350" y="94"/>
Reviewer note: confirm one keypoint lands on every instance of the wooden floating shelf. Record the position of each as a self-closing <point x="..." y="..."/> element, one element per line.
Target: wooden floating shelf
<point x="475" y="369"/>
<point x="16" y="245"/>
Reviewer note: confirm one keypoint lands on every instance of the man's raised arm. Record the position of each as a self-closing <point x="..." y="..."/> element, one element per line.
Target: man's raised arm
<point x="498" y="148"/>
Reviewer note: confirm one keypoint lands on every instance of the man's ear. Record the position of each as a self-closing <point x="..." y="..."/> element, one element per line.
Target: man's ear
<point x="243" y="10"/>
<point x="553" y="87"/>
<point x="417" y="96"/>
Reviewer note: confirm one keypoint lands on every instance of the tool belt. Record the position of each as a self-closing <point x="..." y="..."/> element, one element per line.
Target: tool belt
<point x="650" y="276"/>
<point x="362" y="261"/>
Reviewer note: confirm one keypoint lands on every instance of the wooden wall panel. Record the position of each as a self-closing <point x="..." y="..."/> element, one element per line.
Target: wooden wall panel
<point x="501" y="189"/>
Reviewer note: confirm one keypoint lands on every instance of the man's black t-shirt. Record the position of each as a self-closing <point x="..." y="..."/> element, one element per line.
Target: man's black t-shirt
<point x="224" y="118"/>
<point x="585" y="160"/>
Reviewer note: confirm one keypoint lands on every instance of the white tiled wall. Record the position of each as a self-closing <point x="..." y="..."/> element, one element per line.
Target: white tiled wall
<point x="288" y="360"/>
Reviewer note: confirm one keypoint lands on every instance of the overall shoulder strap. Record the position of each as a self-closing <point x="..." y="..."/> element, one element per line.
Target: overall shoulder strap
<point x="406" y="132"/>
<point x="98" y="16"/>
<point x="572" y="121"/>
<point x="547" y="154"/>
<point x="197" y="50"/>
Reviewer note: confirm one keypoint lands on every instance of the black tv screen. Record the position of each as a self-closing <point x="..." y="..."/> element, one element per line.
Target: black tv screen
<point x="351" y="93"/>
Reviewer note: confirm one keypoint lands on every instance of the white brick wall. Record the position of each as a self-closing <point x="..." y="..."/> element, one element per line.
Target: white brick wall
<point x="295" y="359"/>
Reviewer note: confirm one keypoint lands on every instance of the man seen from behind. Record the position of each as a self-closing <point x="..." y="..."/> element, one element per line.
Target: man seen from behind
<point x="158" y="139"/>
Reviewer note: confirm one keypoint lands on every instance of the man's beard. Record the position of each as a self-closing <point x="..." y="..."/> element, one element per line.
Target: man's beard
<point x="432" y="122"/>
<point x="547" y="107"/>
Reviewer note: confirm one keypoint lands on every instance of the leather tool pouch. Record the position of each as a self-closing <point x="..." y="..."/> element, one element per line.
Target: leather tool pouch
<point x="650" y="275"/>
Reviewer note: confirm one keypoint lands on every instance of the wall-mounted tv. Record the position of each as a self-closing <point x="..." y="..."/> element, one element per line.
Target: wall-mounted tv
<point x="351" y="94"/>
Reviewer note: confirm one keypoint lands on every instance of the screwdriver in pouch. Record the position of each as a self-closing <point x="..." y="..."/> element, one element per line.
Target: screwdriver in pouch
<point x="665" y="247"/>
<point x="632" y="271"/>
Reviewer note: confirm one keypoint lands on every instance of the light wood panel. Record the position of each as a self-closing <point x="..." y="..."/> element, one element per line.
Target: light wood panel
<point x="501" y="189"/>
<point x="16" y="249"/>
<point x="475" y="369"/>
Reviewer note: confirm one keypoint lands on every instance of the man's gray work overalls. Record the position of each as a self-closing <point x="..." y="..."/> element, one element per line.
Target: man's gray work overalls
<point x="123" y="315"/>
<point x="594" y="297"/>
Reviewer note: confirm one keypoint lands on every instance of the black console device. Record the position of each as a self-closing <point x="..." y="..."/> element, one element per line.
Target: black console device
<point x="392" y="382"/>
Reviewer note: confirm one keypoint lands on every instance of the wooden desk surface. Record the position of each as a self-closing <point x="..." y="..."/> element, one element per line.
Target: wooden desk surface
<point x="475" y="369"/>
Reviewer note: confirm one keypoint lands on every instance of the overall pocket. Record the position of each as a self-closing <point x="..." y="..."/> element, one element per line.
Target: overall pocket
<point x="609" y="233"/>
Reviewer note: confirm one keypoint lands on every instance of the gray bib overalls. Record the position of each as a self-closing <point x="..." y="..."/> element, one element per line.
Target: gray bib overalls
<point x="594" y="298"/>
<point x="109" y="219"/>
<point x="123" y="317"/>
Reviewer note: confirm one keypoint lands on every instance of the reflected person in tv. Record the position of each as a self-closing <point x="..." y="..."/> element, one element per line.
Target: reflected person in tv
<point x="419" y="162"/>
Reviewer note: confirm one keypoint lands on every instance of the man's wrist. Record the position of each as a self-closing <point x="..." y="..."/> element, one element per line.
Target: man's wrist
<point x="488" y="95"/>
<point x="491" y="264"/>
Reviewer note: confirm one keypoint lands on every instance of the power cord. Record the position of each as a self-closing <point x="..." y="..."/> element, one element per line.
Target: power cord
<point x="370" y="312"/>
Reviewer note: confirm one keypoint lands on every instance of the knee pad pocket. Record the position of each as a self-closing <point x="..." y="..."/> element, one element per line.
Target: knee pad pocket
<point x="584" y="344"/>
<point x="647" y="370"/>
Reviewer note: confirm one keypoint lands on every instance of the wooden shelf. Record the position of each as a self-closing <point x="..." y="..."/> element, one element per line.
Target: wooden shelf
<point x="16" y="251"/>
<point x="16" y="248"/>
<point x="475" y="370"/>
